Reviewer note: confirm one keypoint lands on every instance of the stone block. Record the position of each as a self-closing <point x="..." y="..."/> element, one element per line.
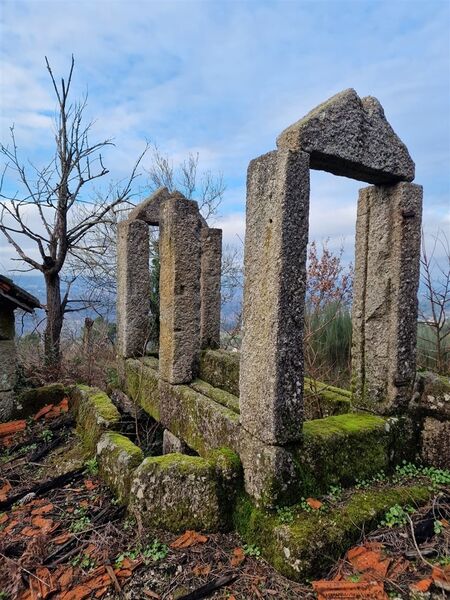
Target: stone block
<point x="201" y="422"/>
<point x="180" y="257"/>
<point x="431" y="396"/>
<point x="173" y="445"/>
<point x="94" y="412"/>
<point x="133" y="288"/>
<point x="117" y="459"/>
<point x="7" y="330"/>
<point x="30" y="400"/>
<point x="270" y="475"/>
<point x="350" y="136"/>
<point x="141" y="385"/>
<point x="384" y="312"/>
<point x="340" y="450"/>
<point x="271" y="374"/>
<point x="220" y="368"/>
<point x="211" y="267"/>
<point x="311" y="544"/>
<point x="436" y="443"/>
<point x="177" y="492"/>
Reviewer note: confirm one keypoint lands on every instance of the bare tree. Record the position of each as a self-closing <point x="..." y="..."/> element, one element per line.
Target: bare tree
<point x="54" y="191"/>
<point x="434" y="326"/>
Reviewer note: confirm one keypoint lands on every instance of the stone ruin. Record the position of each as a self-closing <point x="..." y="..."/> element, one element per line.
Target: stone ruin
<point x="240" y="434"/>
<point x="12" y="298"/>
<point x="346" y="136"/>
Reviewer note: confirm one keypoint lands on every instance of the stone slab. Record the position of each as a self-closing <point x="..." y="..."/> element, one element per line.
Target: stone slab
<point x="172" y="444"/>
<point x="149" y="209"/>
<point x="436" y="443"/>
<point x="177" y="492"/>
<point x="117" y="459"/>
<point x="271" y="374"/>
<point x="351" y="137"/>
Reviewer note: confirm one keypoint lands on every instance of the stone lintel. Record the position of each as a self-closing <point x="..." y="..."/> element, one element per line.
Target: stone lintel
<point x="133" y="288"/>
<point x="350" y="136"/>
<point x="271" y="373"/>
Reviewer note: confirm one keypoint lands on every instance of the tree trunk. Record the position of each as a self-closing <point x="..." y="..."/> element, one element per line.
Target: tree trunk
<point x="55" y="316"/>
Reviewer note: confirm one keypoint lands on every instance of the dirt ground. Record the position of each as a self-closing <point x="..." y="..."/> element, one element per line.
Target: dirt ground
<point x="62" y="536"/>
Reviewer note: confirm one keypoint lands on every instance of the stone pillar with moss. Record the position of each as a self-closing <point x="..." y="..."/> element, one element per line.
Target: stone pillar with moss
<point x="271" y="374"/>
<point x="387" y="269"/>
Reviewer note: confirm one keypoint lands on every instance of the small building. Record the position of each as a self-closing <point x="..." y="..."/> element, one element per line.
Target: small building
<point x="12" y="297"/>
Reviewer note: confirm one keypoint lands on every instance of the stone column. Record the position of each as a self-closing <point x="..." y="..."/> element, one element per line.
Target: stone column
<point x="133" y="288"/>
<point x="271" y="374"/>
<point x="211" y="266"/>
<point x="8" y="361"/>
<point x="384" y="317"/>
<point x="179" y="283"/>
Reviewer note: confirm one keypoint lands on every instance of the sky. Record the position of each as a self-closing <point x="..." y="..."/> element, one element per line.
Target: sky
<point x="224" y="78"/>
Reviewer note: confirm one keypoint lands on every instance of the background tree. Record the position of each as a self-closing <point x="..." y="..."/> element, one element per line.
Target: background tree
<point x="434" y="327"/>
<point x="55" y="191"/>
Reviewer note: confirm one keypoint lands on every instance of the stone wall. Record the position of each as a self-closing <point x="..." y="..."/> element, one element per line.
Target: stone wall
<point x="8" y="361"/>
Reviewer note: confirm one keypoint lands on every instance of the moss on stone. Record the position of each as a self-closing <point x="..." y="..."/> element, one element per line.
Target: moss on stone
<point x="222" y="397"/>
<point x="142" y="385"/>
<point x="322" y="400"/>
<point x="340" y="450"/>
<point x="199" y="421"/>
<point x="314" y="540"/>
<point x="94" y="413"/>
<point x="117" y="458"/>
<point x="177" y="492"/>
<point x="220" y="368"/>
<point x="29" y="401"/>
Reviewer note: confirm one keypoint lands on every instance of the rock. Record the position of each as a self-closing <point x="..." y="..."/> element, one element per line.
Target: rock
<point x="436" y="443"/>
<point x="350" y="136"/>
<point x="117" y="458"/>
<point x="172" y="444"/>
<point x="94" y="413"/>
<point x="177" y="492"/>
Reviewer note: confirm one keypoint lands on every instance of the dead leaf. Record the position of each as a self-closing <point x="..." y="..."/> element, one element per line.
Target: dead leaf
<point x="12" y="427"/>
<point x="441" y="577"/>
<point x="123" y="572"/>
<point x="421" y="586"/>
<point x="369" y="561"/>
<point x="367" y="590"/>
<point x="45" y="525"/>
<point x="44" y="410"/>
<point x="62" y="538"/>
<point x="200" y="570"/>
<point x="6" y="487"/>
<point x="10" y="526"/>
<point x="238" y="557"/>
<point x="42" y="510"/>
<point x="3" y="518"/>
<point x="188" y="539"/>
<point x="313" y="503"/>
<point x="66" y="578"/>
<point x="42" y="584"/>
<point x="90" y="485"/>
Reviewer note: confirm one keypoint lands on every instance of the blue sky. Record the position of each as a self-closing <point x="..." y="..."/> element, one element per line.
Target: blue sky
<point x="223" y="78"/>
